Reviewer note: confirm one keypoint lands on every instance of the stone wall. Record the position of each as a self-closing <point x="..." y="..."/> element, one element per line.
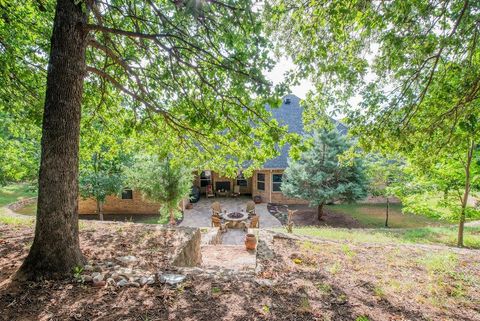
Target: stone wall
<point x="190" y="254"/>
<point x="21" y="203"/>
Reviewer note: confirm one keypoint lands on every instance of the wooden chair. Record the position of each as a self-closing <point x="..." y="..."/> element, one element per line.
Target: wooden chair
<point x="236" y="191"/>
<point x="216" y="209"/>
<point x="209" y="191"/>
<point x="255" y="222"/>
<point x="217" y="222"/>
<point x="251" y="209"/>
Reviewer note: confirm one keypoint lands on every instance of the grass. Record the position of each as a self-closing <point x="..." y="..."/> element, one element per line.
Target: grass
<point x="373" y="215"/>
<point x="446" y="235"/>
<point x="15" y="192"/>
<point x="16" y="221"/>
<point x="30" y="209"/>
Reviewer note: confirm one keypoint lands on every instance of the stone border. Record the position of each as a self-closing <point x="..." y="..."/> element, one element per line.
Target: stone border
<point x="15" y="206"/>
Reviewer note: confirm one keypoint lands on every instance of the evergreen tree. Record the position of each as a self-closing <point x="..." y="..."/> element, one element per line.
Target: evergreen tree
<point x="162" y="180"/>
<point x="320" y="175"/>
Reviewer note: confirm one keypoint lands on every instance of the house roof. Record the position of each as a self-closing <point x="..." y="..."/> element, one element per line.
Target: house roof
<point x="290" y="114"/>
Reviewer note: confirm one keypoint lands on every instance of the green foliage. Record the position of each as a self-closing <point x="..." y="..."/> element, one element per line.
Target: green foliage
<point x="320" y="175"/>
<point x="163" y="180"/>
<point x="15" y="192"/>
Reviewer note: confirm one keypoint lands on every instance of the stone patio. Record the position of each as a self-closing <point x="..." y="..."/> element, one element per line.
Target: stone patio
<point x="199" y="215"/>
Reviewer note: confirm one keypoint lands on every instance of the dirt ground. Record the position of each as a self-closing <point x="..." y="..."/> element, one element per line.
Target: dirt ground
<point x="306" y="216"/>
<point x="301" y="279"/>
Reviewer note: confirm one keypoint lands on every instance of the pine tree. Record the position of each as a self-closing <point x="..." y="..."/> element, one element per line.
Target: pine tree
<point x="320" y="176"/>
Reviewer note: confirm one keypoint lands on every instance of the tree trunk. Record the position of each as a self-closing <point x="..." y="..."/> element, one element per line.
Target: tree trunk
<point x="56" y="250"/>
<point x="387" y="212"/>
<point x="461" y="223"/>
<point x="100" y="210"/>
<point x="172" y="218"/>
<point x="320" y="212"/>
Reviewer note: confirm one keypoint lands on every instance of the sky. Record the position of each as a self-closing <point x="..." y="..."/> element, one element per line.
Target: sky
<point x="278" y="73"/>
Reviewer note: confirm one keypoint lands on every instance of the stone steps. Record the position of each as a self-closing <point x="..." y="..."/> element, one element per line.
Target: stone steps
<point x="232" y="257"/>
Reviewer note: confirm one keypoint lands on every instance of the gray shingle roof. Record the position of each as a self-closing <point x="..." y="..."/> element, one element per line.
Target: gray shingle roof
<point x="290" y="114"/>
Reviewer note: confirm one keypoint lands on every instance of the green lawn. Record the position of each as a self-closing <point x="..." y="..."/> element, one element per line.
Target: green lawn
<point x="14" y="192"/>
<point x="426" y="235"/>
<point x="373" y="215"/>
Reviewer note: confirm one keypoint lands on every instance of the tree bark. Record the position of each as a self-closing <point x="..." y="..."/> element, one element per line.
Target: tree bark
<point x="100" y="210"/>
<point x="387" y="212"/>
<point x="320" y="212"/>
<point x="172" y="218"/>
<point x="56" y="250"/>
<point x="461" y="223"/>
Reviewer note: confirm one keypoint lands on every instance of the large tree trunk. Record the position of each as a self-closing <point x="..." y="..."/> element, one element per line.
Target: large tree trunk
<point x="461" y="223"/>
<point x="320" y="212"/>
<point x="56" y="250"/>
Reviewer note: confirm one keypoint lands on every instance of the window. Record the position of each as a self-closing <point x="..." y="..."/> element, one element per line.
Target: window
<point x="261" y="182"/>
<point x="127" y="194"/>
<point x="277" y="182"/>
<point x="205" y="178"/>
<point x="287" y="101"/>
<point x="241" y="180"/>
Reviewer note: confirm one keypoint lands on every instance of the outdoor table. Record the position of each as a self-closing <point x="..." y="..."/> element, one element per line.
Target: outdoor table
<point x="233" y="221"/>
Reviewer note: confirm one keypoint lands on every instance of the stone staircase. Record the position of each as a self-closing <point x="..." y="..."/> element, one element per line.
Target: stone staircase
<point x="231" y="257"/>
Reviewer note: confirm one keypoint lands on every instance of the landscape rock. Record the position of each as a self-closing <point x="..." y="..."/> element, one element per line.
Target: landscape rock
<point x="99" y="283"/>
<point x="97" y="278"/>
<point x="171" y="279"/>
<point x="88" y="268"/>
<point x="128" y="259"/>
<point x="122" y="283"/>
<point x="87" y="278"/>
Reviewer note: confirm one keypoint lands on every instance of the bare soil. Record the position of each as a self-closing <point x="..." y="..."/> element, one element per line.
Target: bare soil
<point x="302" y="279"/>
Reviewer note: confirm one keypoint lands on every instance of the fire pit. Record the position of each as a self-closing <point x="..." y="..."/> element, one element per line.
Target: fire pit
<point x="235" y="215"/>
<point x="235" y="219"/>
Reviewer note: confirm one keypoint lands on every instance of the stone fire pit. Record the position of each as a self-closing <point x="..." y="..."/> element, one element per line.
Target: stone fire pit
<point x="235" y="219"/>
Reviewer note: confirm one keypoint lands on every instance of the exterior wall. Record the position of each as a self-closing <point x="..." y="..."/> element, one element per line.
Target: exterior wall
<point x="117" y="205"/>
<point x="268" y="195"/>
<point x="216" y="177"/>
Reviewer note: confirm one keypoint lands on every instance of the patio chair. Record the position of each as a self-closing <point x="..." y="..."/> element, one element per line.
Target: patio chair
<point x="216" y="209"/>
<point x="209" y="191"/>
<point x="236" y="191"/>
<point x="217" y="222"/>
<point x="255" y="222"/>
<point x="251" y="209"/>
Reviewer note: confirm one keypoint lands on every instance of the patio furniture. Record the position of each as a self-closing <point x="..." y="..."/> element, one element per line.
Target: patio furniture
<point x="217" y="222"/>
<point x="236" y="191"/>
<point x="255" y="222"/>
<point x="235" y="219"/>
<point x="222" y="193"/>
<point x="216" y="209"/>
<point x="209" y="191"/>
<point x="251" y="208"/>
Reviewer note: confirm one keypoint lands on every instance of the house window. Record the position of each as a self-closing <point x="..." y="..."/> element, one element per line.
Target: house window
<point x="260" y="181"/>
<point x="205" y="178"/>
<point x="127" y="194"/>
<point x="241" y="180"/>
<point x="277" y="182"/>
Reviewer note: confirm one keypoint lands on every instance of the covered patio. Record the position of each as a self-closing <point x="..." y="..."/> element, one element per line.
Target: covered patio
<point x="200" y="214"/>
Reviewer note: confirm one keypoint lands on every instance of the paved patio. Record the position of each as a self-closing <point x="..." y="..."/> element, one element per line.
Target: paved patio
<point x="199" y="215"/>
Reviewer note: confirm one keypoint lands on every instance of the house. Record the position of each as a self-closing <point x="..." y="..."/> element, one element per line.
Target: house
<point x="265" y="182"/>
